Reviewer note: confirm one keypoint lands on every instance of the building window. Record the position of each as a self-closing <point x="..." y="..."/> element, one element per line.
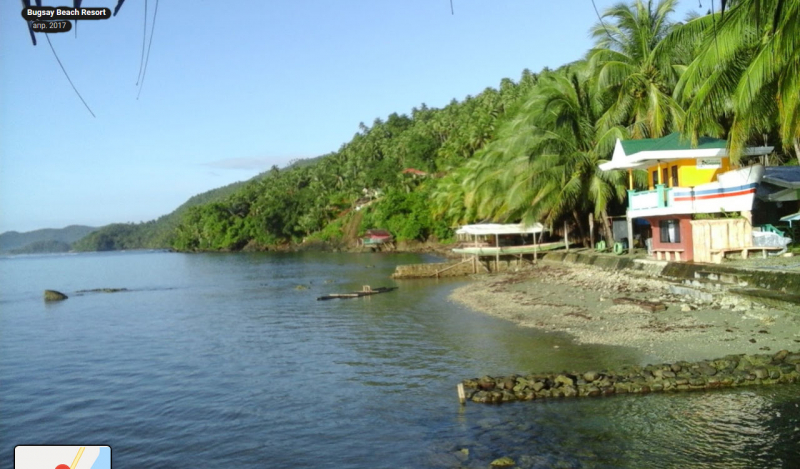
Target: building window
<point x="675" y="176"/>
<point x="655" y="178"/>
<point x="665" y="176"/>
<point x="670" y="231"/>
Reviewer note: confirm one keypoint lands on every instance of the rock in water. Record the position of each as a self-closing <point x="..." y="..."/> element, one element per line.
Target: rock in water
<point x="52" y="295"/>
<point x="505" y="461"/>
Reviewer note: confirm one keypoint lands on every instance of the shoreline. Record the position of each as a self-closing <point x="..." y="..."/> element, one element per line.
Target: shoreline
<point x="579" y="300"/>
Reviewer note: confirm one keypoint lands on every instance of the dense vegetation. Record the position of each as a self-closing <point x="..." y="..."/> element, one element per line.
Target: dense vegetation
<point x="40" y="247"/>
<point x="530" y="149"/>
<point x="289" y="205"/>
<point x="28" y="241"/>
<point x="154" y="234"/>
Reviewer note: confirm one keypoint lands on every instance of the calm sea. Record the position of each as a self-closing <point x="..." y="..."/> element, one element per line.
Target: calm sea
<point x="228" y="360"/>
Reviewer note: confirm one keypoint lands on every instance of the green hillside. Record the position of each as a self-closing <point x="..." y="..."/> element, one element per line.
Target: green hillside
<point x="13" y="240"/>
<point x="40" y="247"/>
<point x="528" y="150"/>
<point x="154" y="234"/>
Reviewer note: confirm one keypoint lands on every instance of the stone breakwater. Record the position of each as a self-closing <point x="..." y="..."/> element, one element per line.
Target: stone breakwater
<point x="729" y="371"/>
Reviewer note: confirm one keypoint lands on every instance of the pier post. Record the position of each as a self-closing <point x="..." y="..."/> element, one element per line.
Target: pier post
<point x="462" y="398"/>
<point x="497" y="255"/>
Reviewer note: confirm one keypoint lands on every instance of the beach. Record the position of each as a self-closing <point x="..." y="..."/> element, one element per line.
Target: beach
<point x="623" y="308"/>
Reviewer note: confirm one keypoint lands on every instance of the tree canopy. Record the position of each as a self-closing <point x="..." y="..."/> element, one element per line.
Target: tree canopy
<point x="528" y="150"/>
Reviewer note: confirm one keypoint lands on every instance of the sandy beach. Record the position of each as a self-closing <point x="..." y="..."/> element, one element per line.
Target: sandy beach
<point x="580" y="300"/>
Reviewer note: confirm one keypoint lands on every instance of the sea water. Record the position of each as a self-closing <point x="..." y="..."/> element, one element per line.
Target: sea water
<point x="229" y="360"/>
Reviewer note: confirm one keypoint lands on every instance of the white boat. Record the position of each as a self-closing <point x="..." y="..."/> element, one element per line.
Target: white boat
<point x="733" y="191"/>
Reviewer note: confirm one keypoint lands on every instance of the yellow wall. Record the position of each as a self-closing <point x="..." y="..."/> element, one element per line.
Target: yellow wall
<point x="688" y="174"/>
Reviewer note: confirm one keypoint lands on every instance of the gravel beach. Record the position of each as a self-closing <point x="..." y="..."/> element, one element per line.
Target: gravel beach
<point x="622" y="308"/>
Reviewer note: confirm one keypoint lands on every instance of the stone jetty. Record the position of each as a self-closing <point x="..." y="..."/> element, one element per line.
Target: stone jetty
<point x="729" y="371"/>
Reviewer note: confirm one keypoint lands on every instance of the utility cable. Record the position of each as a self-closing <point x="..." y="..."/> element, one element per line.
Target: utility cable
<point x="46" y="35"/>
<point x="601" y="20"/>
<point x="144" y="36"/>
<point x="149" y="45"/>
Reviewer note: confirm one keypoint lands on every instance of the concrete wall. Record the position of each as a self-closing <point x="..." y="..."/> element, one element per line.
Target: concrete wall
<point x="458" y="268"/>
<point x="430" y="270"/>
<point x="685" y="232"/>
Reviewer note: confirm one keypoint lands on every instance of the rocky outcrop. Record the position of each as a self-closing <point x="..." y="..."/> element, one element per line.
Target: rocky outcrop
<point x="52" y="295"/>
<point x="729" y="371"/>
<point x="103" y="290"/>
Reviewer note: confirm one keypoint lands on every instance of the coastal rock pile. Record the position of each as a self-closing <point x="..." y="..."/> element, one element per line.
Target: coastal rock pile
<point x="729" y="371"/>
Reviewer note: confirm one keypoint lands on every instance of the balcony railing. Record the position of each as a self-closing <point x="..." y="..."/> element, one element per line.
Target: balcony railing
<point x="659" y="198"/>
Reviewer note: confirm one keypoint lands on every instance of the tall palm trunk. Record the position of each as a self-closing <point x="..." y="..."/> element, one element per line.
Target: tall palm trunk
<point x="581" y="229"/>
<point x="608" y="234"/>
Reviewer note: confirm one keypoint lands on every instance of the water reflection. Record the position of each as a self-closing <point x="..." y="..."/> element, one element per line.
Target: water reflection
<point x="218" y="360"/>
<point x="722" y="429"/>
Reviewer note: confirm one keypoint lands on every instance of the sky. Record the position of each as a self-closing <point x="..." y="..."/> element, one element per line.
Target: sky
<point x="232" y="88"/>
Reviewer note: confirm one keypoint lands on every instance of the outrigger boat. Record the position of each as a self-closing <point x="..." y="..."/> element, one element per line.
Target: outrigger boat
<point x="366" y="290"/>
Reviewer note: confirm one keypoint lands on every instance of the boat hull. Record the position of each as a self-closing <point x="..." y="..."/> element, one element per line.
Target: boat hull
<point x="734" y="191"/>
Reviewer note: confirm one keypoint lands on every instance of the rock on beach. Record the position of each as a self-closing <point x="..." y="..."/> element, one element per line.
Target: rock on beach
<point x="623" y="308"/>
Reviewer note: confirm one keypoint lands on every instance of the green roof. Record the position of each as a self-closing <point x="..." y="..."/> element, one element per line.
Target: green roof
<point x="673" y="141"/>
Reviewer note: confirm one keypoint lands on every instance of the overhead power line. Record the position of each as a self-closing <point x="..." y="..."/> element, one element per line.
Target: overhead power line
<point x="46" y="35"/>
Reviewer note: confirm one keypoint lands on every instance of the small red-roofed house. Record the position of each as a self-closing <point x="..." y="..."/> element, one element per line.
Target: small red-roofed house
<point x="414" y="172"/>
<point x="376" y="237"/>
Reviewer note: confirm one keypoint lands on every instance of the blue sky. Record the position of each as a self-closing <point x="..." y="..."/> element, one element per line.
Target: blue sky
<point x="235" y="87"/>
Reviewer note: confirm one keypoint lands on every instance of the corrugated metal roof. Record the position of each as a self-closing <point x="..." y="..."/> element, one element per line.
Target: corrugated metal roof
<point x="673" y="141"/>
<point x="784" y="176"/>
<point x="484" y="229"/>
<point x="378" y="234"/>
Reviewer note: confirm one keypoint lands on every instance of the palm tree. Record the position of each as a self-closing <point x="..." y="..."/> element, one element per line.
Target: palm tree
<point x="544" y="167"/>
<point x="637" y="76"/>
<point x="746" y="80"/>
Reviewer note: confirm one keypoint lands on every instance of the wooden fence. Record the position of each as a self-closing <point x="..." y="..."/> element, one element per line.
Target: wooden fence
<point x="715" y="237"/>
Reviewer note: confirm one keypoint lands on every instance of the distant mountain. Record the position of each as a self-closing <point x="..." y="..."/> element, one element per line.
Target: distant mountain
<point x="14" y="240"/>
<point x="38" y="247"/>
<point x="154" y="234"/>
<point x="160" y="233"/>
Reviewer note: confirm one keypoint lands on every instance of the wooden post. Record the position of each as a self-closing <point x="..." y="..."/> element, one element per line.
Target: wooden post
<point x="462" y="398"/>
<point x="475" y="256"/>
<point x="497" y="256"/>
<point x="566" y="236"/>
<point x="591" y="230"/>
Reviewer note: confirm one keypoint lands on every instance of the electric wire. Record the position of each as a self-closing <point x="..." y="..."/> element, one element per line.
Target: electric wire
<point x="46" y="35"/>
<point x="149" y="45"/>
<point x="144" y="37"/>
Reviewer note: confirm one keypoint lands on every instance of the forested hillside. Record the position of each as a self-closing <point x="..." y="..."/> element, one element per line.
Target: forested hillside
<point x="155" y="234"/>
<point x="528" y="150"/>
<point x="290" y="205"/>
<point x="40" y="240"/>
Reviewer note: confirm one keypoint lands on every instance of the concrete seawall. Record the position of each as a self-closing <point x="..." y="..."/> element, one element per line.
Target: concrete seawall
<point x="457" y="268"/>
<point x="779" y="280"/>
<point x="729" y="371"/>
